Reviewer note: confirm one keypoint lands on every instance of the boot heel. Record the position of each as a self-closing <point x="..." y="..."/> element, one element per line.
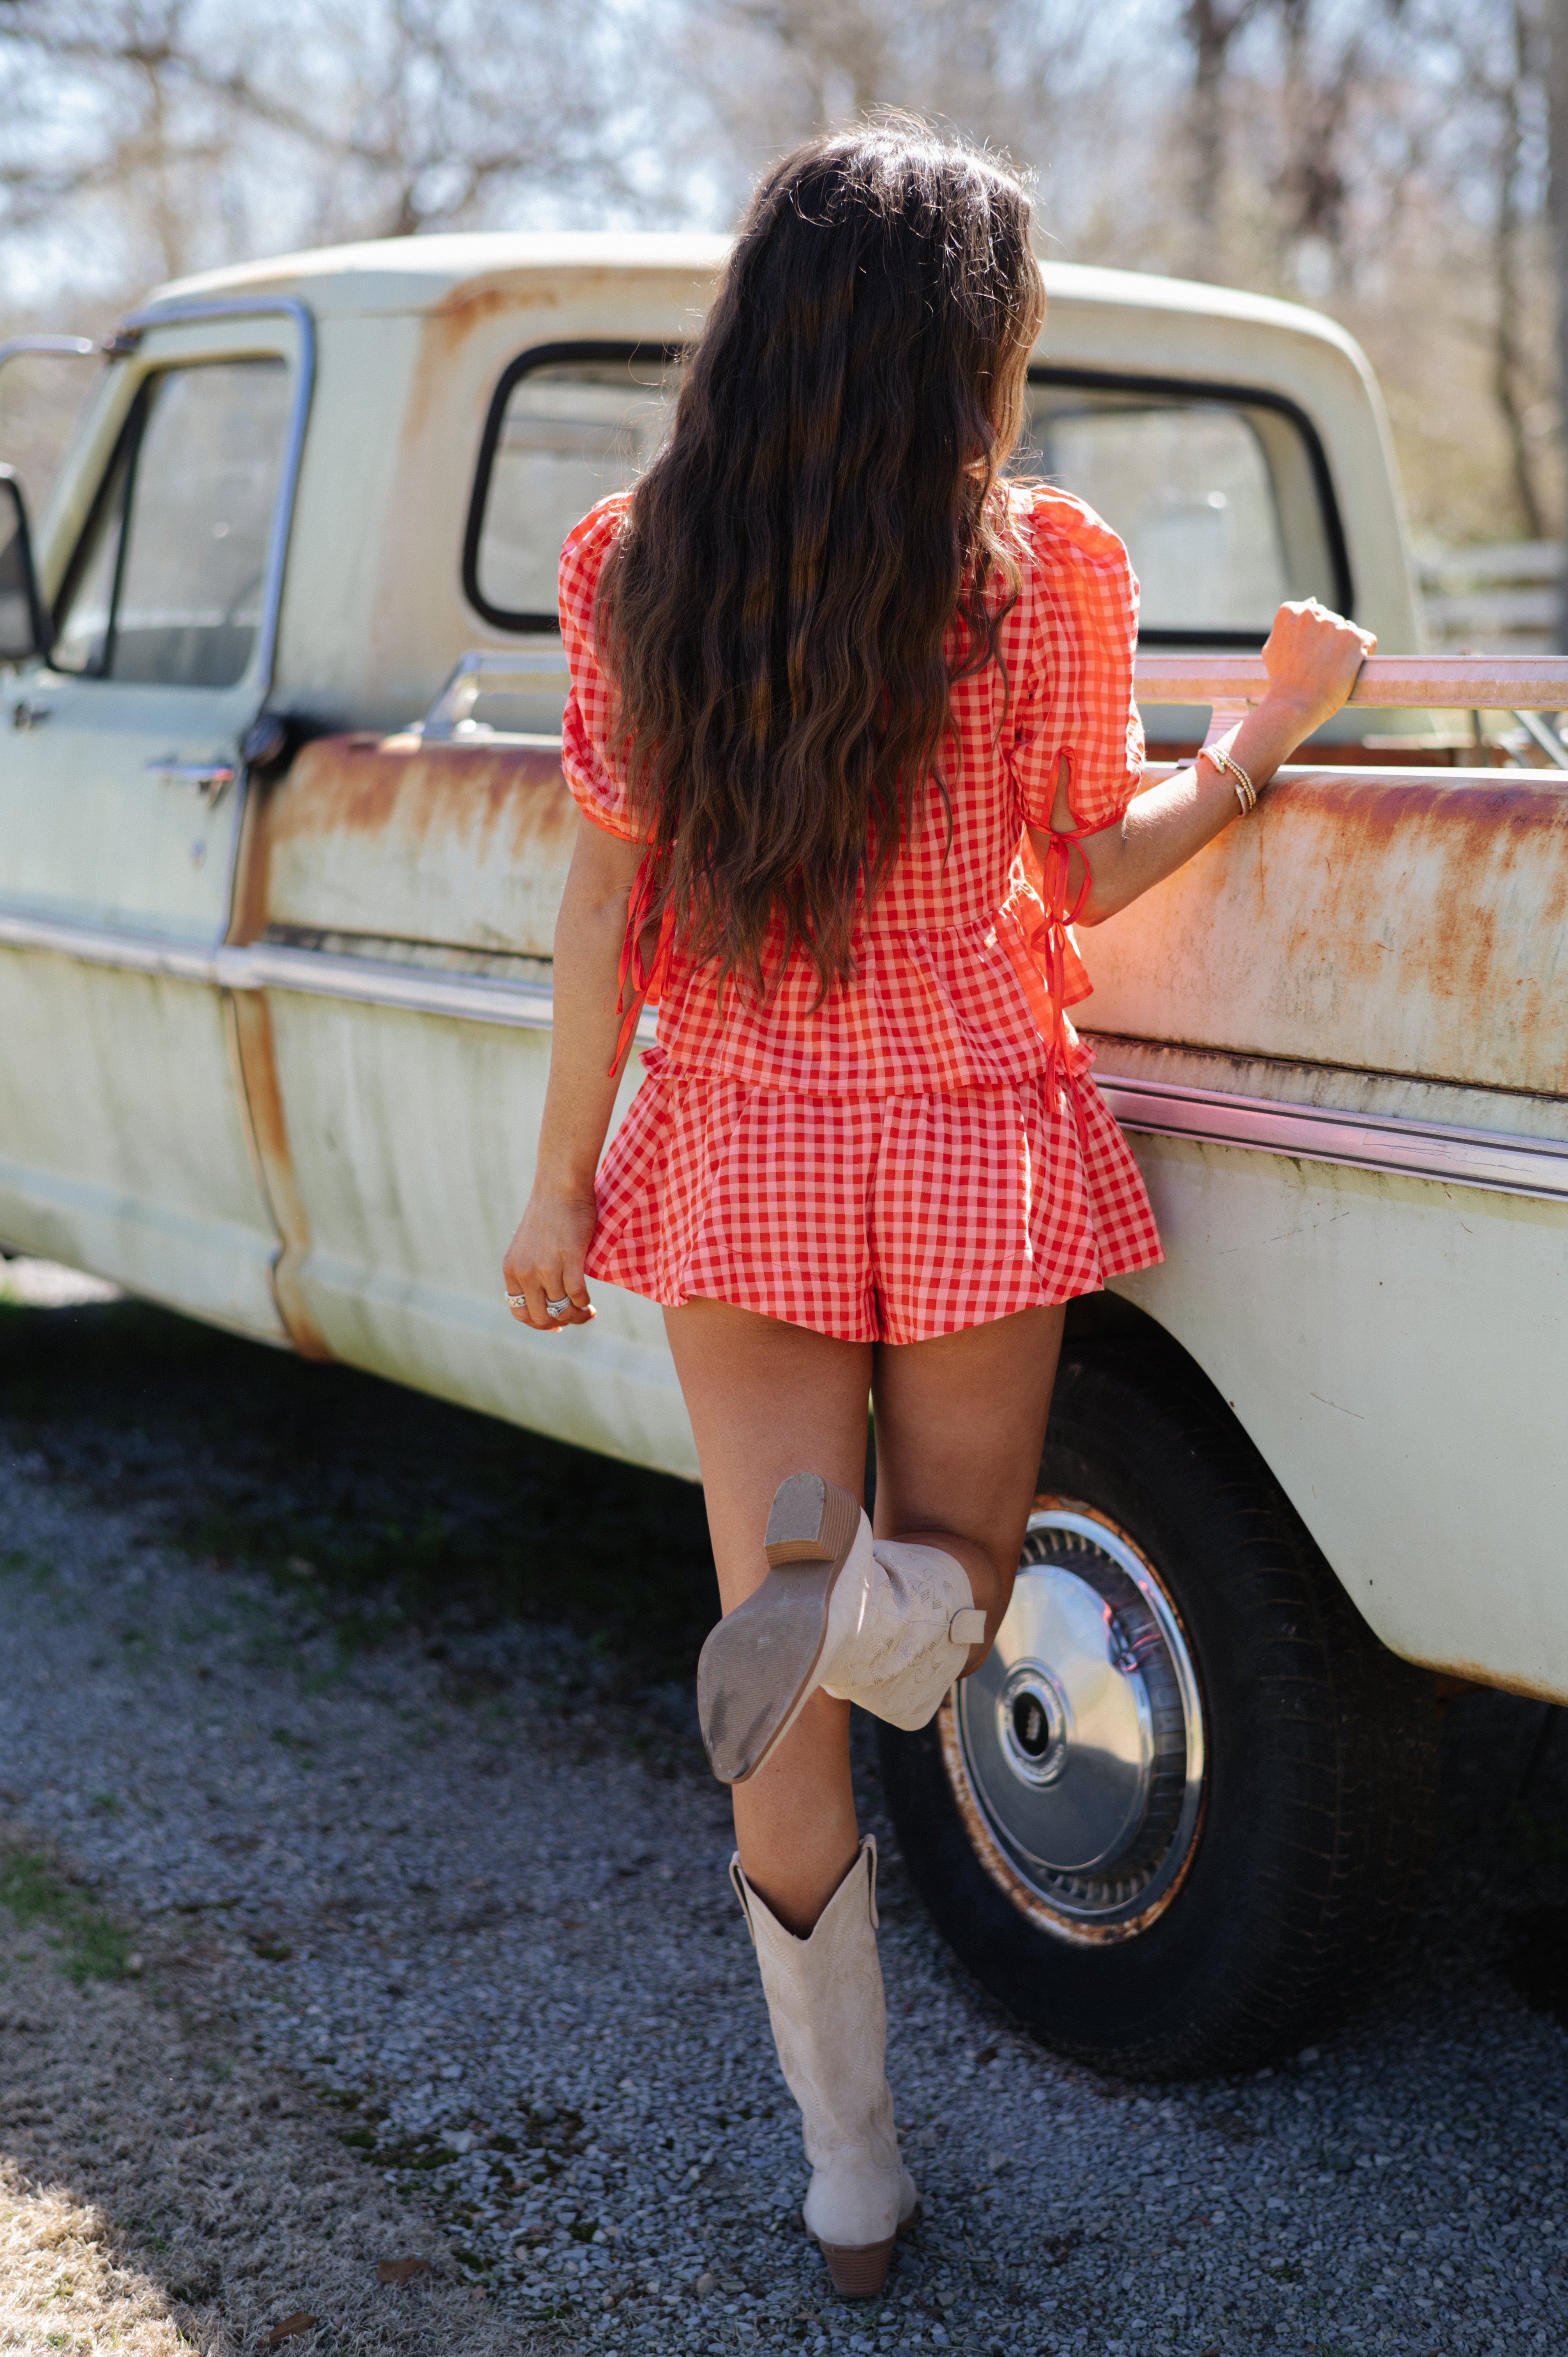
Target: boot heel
<point x="859" y="2273"/>
<point x="811" y="1520"/>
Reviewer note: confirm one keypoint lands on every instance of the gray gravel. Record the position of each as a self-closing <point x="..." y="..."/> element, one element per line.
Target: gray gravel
<point x="472" y="1920"/>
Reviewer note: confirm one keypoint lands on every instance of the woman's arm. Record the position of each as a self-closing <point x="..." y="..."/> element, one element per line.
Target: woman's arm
<point x="1312" y="658"/>
<point x="544" y="1259"/>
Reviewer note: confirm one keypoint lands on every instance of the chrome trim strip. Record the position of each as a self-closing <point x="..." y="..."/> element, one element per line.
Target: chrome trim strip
<point x="413" y="990"/>
<point x="1413" y="1149"/>
<point x="316" y="973"/>
<point x="98" y="945"/>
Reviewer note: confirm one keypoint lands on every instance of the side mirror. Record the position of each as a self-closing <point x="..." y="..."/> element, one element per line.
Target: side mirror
<point x="23" y="634"/>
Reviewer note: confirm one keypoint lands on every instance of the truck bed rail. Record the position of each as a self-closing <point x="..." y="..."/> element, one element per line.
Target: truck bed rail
<point x="1387" y="683"/>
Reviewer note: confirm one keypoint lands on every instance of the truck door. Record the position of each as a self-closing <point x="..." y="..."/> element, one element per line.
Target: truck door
<point x="123" y="1145"/>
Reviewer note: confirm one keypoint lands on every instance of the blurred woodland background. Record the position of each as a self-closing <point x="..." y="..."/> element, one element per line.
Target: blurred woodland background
<point x="1388" y="161"/>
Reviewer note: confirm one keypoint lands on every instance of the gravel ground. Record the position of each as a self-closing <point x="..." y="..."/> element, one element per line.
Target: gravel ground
<point x="448" y="1889"/>
<point x="162" y="2189"/>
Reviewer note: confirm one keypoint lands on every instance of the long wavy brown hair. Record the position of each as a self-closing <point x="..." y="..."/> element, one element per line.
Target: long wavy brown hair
<point x="774" y="616"/>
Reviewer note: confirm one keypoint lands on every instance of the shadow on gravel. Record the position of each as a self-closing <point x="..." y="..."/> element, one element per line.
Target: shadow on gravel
<point x="1502" y="1844"/>
<point x="371" y="1506"/>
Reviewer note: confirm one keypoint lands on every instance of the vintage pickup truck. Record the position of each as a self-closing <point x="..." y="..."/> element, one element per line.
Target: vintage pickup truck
<point x="274" y="1022"/>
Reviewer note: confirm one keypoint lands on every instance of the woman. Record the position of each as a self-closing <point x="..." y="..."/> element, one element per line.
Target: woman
<point x="852" y="723"/>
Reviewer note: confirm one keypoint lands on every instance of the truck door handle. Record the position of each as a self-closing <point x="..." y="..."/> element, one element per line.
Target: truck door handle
<point x="208" y="779"/>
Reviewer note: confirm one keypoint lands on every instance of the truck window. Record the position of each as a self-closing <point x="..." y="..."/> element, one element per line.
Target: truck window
<point x="1222" y="497"/>
<point x="166" y="586"/>
<point x="1222" y="494"/>
<point x="566" y="426"/>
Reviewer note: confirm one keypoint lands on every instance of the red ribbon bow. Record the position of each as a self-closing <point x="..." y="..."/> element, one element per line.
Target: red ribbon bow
<point x="646" y="977"/>
<point x="1050" y="944"/>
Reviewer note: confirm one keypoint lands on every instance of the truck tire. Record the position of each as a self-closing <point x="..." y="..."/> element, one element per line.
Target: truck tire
<point x="1179" y="1821"/>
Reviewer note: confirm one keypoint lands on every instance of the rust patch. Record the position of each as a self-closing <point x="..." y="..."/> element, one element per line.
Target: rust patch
<point x="1447" y="859"/>
<point x="1413" y="922"/>
<point x="447" y="328"/>
<point x="252" y="1035"/>
<point x="247" y="914"/>
<point x="458" y="843"/>
<point x="468" y="307"/>
<point x="340" y="785"/>
<point x="1459" y="1677"/>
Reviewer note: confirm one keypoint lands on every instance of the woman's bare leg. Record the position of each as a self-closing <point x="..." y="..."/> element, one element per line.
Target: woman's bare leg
<point x="960" y="1423"/>
<point x="766" y="1400"/>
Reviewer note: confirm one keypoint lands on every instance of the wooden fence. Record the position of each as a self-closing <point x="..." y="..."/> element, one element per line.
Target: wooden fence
<point x="1500" y="600"/>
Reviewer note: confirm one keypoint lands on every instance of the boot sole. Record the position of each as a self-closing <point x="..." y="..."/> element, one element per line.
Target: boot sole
<point x="859" y="2271"/>
<point x="757" y="1670"/>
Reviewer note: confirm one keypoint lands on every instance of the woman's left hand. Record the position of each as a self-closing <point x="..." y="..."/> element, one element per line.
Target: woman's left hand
<point x="544" y="1260"/>
<point x="1312" y="658"/>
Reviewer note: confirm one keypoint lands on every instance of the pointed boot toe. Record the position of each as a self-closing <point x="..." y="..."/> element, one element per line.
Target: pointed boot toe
<point x="830" y="2025"/>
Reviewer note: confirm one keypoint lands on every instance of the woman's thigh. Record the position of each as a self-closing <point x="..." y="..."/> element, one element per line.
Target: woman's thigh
<point x="766" y="1400"/>
<point x="961" y="1421"/>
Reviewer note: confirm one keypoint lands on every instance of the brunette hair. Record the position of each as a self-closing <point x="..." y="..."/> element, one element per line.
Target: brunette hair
<point x="773" y="616"/>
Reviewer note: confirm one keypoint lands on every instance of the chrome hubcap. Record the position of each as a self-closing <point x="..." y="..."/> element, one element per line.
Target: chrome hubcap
<point x="1082" y="1737"/>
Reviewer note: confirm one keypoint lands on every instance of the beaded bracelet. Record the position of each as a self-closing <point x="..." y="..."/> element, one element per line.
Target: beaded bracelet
<point x="1227" y="766"/>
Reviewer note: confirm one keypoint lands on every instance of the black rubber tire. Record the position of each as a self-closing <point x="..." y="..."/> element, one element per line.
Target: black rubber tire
<point x="1322" y="1761"/>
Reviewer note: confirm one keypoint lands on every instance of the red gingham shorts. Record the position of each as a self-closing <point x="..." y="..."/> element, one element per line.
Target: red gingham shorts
<point x="888" y="1218"/>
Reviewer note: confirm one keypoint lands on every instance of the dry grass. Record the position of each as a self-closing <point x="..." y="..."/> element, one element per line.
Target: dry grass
<point x="159" y="2193"/>
<point x="60" y="2288"/>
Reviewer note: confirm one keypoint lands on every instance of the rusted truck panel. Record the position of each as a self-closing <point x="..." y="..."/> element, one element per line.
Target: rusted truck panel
<point x="1412" y="924"/>
<point x="466" y="844"/>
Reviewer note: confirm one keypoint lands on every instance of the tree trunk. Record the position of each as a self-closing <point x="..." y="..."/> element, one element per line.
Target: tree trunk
<point x="1508" y="359"/>
<point x="1209" y="28"/>
<point x="1556" y="16"/>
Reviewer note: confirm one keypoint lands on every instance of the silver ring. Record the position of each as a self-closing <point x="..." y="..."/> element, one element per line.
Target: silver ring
<point x="517" y="1301"/>
<point x="558" y="1309"/>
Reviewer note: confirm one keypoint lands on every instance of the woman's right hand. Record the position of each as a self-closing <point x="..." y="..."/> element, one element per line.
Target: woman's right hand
<point x="544" y="1259"/>
<point x="1312" y="659"/>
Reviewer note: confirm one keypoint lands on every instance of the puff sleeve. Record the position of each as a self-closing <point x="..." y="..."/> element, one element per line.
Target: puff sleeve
<point x="592" y="775"/>
<point x="1076" y="697"/>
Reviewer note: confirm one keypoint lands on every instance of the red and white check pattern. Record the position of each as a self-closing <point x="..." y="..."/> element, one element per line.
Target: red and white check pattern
<point x="896" y="1165"/>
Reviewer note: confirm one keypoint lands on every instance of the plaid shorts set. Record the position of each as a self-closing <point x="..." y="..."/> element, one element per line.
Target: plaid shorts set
<point x="925" y="1151"/>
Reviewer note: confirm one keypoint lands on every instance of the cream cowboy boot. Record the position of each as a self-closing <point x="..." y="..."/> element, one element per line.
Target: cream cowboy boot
<point x="886" y="1624"/>
<point x="830" y="2024"/>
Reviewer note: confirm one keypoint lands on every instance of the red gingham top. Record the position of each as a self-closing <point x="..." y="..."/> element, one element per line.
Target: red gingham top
<point x="945" y="996"/>
<point x="961" y="989"/>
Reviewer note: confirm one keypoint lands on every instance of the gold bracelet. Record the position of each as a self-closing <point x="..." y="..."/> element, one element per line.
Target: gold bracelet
<point x="1227" y="766"/>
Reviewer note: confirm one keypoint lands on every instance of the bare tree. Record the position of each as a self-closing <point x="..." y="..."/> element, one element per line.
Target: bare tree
<point x="1211" y="28"/>
<point x="1496" y="162"/>
<point x="1555" y="30"/>
<point x="1048" y="86"/>
<point x="1515" y="206"/>
<point x="183" y="133"/>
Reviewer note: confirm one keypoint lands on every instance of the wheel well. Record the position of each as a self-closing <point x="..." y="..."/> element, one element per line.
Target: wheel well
<point x="1098" y="1320"/>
